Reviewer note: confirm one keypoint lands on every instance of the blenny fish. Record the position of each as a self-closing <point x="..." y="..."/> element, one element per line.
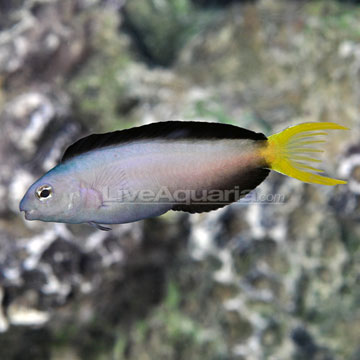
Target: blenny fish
<point x="142" y="172"/>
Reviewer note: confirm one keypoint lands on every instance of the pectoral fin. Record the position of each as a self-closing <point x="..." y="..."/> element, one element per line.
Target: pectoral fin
<point x="99" y="227"/>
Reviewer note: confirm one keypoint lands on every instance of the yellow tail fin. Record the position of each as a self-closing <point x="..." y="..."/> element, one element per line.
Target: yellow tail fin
<point x="288" y="152"/>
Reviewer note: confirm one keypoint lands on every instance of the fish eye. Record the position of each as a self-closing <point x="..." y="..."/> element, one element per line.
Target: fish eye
<point x="43" y="192"/>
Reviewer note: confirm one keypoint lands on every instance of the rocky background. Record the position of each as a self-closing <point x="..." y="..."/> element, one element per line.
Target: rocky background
<point x="251" y="281"/>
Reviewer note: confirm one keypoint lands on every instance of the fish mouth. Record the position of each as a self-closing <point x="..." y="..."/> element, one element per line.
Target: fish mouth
<point x="30" y="214"/>
<point x="22" y="206"/>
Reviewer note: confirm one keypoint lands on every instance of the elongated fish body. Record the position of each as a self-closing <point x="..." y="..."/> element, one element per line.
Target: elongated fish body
<point x="142" y="179"/>
<point x="144" y="172"/>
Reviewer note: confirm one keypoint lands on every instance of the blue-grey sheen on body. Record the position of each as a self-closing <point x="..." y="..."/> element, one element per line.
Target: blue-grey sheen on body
<point x="94" y="179"/>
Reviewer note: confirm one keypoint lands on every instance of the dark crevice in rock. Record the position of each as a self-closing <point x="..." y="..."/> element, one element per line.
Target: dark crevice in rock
<point x="220" y="3"/>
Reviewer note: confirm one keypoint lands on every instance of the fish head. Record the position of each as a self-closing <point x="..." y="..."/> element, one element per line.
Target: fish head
<point x="54" y="197"/>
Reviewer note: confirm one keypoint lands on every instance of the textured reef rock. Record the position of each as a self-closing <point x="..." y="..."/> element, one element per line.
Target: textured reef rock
<point x="275" y="276"/>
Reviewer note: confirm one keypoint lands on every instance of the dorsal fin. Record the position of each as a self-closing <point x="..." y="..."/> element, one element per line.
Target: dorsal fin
<point x="168" y="130"/>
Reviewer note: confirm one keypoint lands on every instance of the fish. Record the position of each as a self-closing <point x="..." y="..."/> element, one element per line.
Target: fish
<point x="143" y="172"/>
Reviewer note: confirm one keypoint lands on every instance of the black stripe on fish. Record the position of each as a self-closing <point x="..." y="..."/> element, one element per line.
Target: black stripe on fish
<point x="169" y="130"/>
<point x="243" y="183"/>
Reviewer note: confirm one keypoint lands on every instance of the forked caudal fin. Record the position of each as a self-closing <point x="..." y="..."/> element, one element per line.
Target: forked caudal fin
<point x="289" y="151"/>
